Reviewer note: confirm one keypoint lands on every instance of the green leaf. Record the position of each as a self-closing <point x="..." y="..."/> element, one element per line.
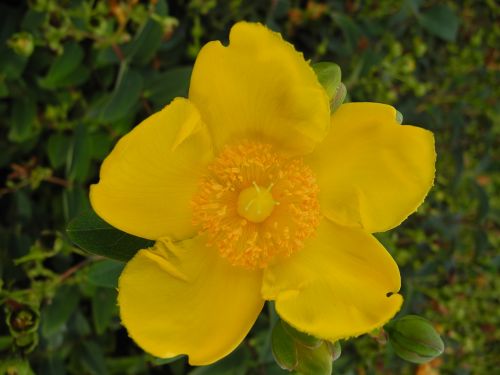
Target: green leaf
<point x="24" y="205"/>
<point x="125" y="95"/>
<point x="164" y="361"/>
<point x="350" y="29"/>
<point x="23" y="120"/>
<point x="11" y="64"/>
<point x="57" y="149"/>
<point x="162" y="88"/>
<point x="80" y="154"/>
<point x="75" y="201"/>
<point x="92" y="358"/>
<point x="128" y="364"/>
<point x="101" y="145"/>
<point x="94" y="235"/>
<point x="79" y="325"/>
<point x="105" y="273"/>
<point x="143" y="48"/>
<point x="441" y="21"/>
<point x="62" y="71"/>
<point x="55" y="315"/>
<point x="237" y="363"/>
<point x="77" y="77"/>
<point x="5" y="342"/>
<point x="4" y="90"/>
<point x="104" y="308"/>
<point x="32" y="20"/>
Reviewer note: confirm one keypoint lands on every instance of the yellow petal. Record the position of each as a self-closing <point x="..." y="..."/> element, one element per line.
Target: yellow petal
<point x="372" y="172"/>
<point x="147" y="181"/>
<point x="342" y="284"/>
<point x="259" y="88"/>
<point x="184" y="299"/>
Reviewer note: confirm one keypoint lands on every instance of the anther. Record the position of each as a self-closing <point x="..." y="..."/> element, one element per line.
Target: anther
<point x="248" y="218"/>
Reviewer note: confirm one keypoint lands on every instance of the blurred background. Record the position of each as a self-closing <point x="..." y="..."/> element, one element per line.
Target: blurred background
<point x="75" y="75"/>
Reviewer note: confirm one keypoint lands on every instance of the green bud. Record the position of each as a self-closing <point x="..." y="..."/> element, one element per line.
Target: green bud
<point x="399" y="117"/>
<point x="304" y="338"/>
<point x="339" y="98"/>
<point x="27" y="342"/>
<point x="407" y="64"/>
<point x="22" y="43"/>
<point x="396" y="49"/>
<point x="335" y="350"/>
<point x="419" y="46"/>
<point x="302" y="353"/>
<point x="38" y="174"/>
<point x="22" y="320"/>
<point x="329" y="75"/>
<point x="414" y="339"/>
<point x="15" y="366"/>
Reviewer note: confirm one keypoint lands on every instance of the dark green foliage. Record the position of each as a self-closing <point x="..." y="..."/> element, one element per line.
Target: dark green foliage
<point x="77" y="75"/>
<point x="57" y="313"/>
<point x="105" y="273"/>
<point x="94" y="235"/>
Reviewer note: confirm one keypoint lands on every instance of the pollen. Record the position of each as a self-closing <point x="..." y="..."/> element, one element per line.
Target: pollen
<point x="255" y="205"/>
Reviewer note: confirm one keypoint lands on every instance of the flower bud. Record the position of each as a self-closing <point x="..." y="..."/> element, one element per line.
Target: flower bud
<point x="22" y="320"/>
<point x="339" y="98"/>
<point x="22" y="43"/>
<point x="399" y="117"/>
<point x="27" y="342"/>
<point x="305" y="354"/>
<point x="329" y="75"/>
<point x="414" y="339"/>
<point x="15" y="366"/>
<point x="335" y="349"/>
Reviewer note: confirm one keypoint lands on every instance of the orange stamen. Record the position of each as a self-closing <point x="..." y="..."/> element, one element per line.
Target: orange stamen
<point x="255" y="205"/>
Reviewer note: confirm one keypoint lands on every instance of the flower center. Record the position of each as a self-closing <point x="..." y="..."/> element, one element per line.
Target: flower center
<point x="256" y="205"/>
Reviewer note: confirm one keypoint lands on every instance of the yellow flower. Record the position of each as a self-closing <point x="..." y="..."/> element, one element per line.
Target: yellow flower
<point x="253" y="192"/>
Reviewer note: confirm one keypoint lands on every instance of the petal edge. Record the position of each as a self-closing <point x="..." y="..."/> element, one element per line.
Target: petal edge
<point x="259" y="87"/>
<point x="372" y="172"/>
<point x="342" y="284"/>
<point x="177" y="299"/>
<point x="147" y="180"/>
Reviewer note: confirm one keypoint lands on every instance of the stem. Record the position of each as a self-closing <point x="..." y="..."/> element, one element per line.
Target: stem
<point x="118" y="52"/>
<point x="58" y="181"/>
<point x="70" y="271"/>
